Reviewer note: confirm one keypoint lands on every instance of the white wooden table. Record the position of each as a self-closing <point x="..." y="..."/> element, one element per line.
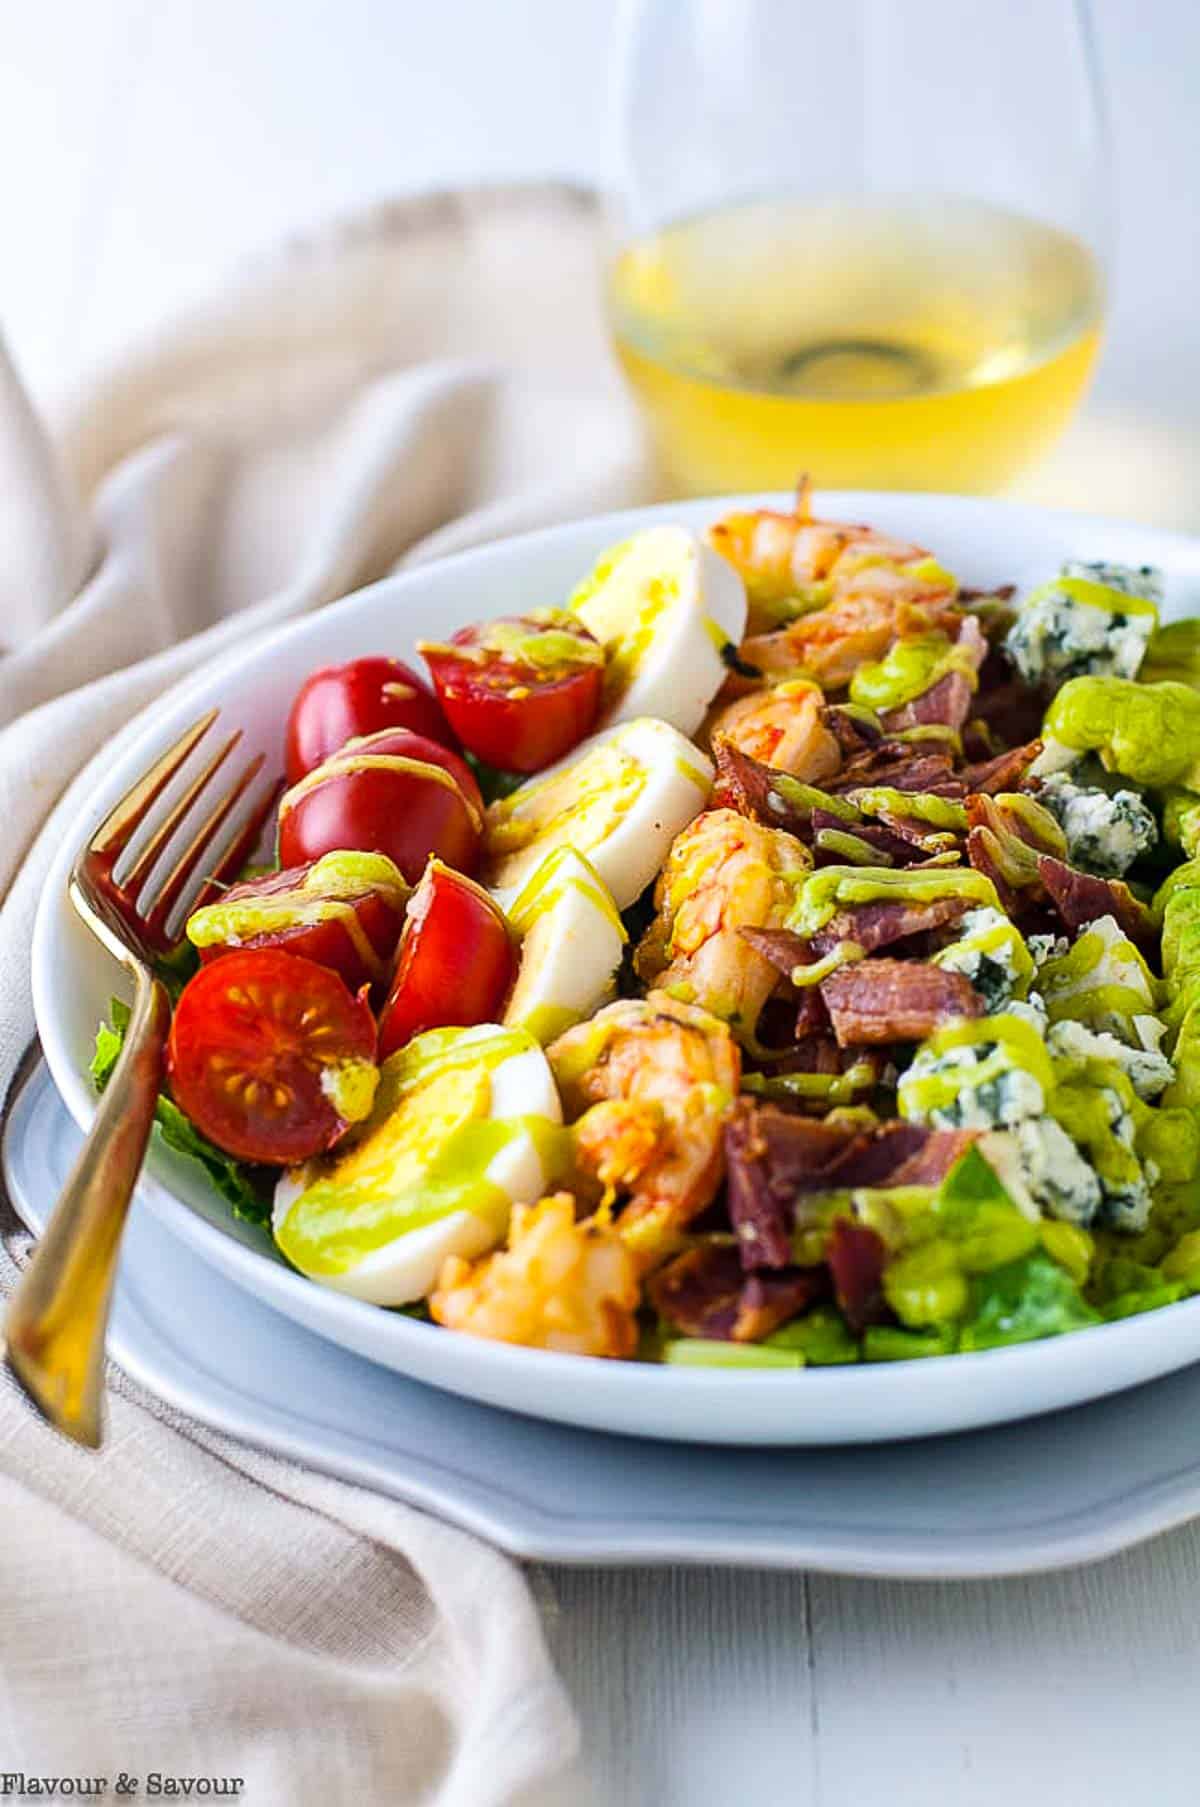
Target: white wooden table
<point x="147" y="145"/>
<point x="708" y="1688"/>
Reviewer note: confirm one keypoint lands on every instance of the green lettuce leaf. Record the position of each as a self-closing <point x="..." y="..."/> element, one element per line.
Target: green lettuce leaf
<point x="1021" y="1301"/>
<point x="821" y="1337"/>
<point x="1125" y="1288"/>
<point x="891" y="1343"/>
<point x="975" y="1212"/>
<point x="493" y="783"/>
<point x="240" y="1185"/>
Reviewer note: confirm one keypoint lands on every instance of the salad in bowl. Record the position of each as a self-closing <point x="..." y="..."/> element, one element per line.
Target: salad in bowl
<point x="770" y="954"/>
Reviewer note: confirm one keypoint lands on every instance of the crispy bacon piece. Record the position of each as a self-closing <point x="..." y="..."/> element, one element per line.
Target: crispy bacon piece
<point x="1003" y="816"/>
<point x="783" y="949"/>
<point x="817" y="1053"/>
<point x="769" y="1300"/>
<point x="921" y="840"/>
<point x="752" y="789"/>
<point x="1081" y="897"/>
<point x="899" y="1154"/>
<point x="811" y="1028"/>
<point x="853" y="733"/>
<point x="894" y="763"/>
<point x="871" y="925"/>
<point x="790" y="1018"/>
<point x="983" y="854"/>
<point x="698" y="1291"/>
<point x="948" y="701"/>
<point x="929" y="1164"/>
<point x="875" y="1154"/>
<point x="856" y="1257"/>
<point x="748" y="786"/>
<point x="1004" y="771"/>
<point x="1005" y="846"/>
<point x="705" y="1292"/>
<point x="876" y="925"/>
<point x="878" y="1001"/>
<point x="894" y="848"/>
<point x="771" y="1157"/>
<point x="774" y="1160"/>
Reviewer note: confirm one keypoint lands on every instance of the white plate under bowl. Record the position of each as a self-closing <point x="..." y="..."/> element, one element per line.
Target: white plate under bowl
<point x="985" y="542"/>
<point x="1049" y="1493"/>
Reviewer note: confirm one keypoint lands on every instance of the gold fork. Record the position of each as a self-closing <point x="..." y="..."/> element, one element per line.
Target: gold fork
<point x="57" y="1316"/>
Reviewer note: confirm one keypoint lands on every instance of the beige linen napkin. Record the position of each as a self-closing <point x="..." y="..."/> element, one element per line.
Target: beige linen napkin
<point x="422" y="380"/>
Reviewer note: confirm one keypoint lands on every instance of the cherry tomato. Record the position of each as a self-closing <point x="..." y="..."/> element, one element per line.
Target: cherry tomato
<point x="353" y="928"/>
<point x="271" y="1056"/>
<point x="341" y="702"/>
<point x="395" y="793"/>
<point x="456" y="960"/>
<point x="519" y="692"/>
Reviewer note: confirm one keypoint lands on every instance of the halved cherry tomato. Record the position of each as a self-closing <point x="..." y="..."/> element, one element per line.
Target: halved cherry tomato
<point x="271" y="1056"/>
<point x="456" y="960"/>
<point x="342" y="702"/>
<point x="345" y="911"/>
<point x="395" y="793"/>
<point x="522" y="691"/>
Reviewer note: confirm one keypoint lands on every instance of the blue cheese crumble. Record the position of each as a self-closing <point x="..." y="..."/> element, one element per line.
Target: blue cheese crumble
<point x="1148" y="1070"/>
<point x="1059" y="634"/>
<point x="1044" y="1173"/>
<point x="1124" y="1205"/>
<point x="1144" y="581"/>
<point x="1046" y="947"/>
<point x="977" y="1101"/>
<point x="1031" y="1010"/>
<point x="1102" y="969"/>
<point x="1105" y="834"/>
<point x="990" y="953"/>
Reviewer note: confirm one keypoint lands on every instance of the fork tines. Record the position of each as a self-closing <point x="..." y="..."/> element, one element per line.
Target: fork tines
<point x="157" y="910"/>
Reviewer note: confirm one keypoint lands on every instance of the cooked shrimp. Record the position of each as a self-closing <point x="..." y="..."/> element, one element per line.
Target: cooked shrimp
<point x="558" y="1285"/>
<point x="877" y="606"/>
<point x="723" y="873"/>
<point x="785" y="728"/>
<point x="649" y="1082"/>
<point x="857" y="590"/>
<point x="780" y="556"/>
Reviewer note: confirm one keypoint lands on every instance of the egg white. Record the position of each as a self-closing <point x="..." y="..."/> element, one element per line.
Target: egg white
<point x="678" y="670"/>
<point x="406" y="1269"/>
<point x="570" y="952"/>
<point x="628" y="854"/>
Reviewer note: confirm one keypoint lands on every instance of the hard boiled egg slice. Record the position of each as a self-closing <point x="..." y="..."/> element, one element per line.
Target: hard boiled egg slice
<point x="466" y="1124"/>
<point x="619" y="798"/>
<point x="664" y="606"/>
<point x="571" y="946"/>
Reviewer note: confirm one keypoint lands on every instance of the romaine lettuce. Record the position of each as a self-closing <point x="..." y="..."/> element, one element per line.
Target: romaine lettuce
<point x="234" y="1180"/>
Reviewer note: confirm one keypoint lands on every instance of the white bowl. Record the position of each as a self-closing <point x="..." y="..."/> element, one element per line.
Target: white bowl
<point x="985" y="542"/>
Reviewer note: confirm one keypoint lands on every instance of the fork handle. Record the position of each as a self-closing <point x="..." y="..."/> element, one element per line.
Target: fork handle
<point x="57" y="1315"/>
